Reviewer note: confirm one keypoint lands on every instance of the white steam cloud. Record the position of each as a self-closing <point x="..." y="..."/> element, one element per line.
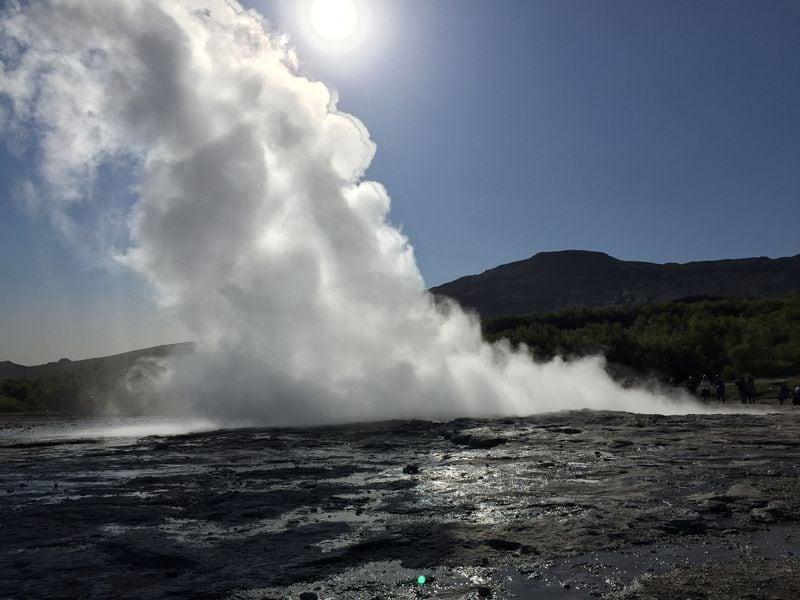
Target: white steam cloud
<point x="253" y="220"/>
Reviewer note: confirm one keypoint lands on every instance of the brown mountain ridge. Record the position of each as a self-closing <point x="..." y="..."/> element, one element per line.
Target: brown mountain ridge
<point x="550" y="281"/>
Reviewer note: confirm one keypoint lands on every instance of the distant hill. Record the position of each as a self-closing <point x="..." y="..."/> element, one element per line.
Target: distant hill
<point x="116" y="363"/>
<point x="10" y="369"/>
<point x="117" y="384"/>
<point x="577" y="278"/>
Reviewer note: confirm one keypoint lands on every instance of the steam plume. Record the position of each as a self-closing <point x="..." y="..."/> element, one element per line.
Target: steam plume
<point x="253" y="221"/>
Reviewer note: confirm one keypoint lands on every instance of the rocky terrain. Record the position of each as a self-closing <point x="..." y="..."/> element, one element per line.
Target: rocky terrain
<point x="551" y="281"/>
<point x="565" y="505"/>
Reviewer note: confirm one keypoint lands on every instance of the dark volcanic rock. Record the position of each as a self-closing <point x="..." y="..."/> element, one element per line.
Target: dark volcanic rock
<point x="476" y="441"/>
<point x="275" y="513"/>
<point x="505" y="545"/>
<point x="757" y="580"/>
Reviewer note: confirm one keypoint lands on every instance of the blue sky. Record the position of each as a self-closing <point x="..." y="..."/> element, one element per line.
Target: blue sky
<point x="658" y="131"/>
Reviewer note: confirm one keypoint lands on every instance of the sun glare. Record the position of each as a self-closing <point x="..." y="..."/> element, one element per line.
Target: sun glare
<point x="334" y="20"/>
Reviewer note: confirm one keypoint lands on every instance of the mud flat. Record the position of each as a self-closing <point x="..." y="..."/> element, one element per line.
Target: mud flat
<point x="565" y="505"/>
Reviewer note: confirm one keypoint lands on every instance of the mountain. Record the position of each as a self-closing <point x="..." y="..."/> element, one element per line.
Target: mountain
<point x="115" y="364"/>
<point x="10" y="369"/>
<point x="118" y="384"/>
<point x="555" y="280"/>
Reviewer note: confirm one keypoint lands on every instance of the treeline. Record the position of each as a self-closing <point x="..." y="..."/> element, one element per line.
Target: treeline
<point x="86" y="390"/>
<point x="119" y="384"/>
<point x="59" y="394"/>
<point x="727" y="336"/>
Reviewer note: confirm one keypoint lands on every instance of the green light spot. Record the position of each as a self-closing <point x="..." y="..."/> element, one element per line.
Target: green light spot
<point x="421" y="580"/>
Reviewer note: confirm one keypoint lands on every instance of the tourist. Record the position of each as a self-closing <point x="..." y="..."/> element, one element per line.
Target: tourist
<point x="741" y="388"/>
<point x="691" y="385"/>
<point x="750" y="386"/>
<point x="720" y="388"/>
<point x="783" y="392"/>
<point x="705" y="388"/>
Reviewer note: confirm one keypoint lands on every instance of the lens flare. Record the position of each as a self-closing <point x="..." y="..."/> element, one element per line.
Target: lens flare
<point x="334" y="20"/>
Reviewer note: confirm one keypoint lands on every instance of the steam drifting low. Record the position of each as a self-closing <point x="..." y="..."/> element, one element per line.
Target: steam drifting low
<point x="253" y="221"/>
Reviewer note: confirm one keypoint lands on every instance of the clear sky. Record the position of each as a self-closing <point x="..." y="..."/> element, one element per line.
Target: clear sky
<point x="658" y="131"/>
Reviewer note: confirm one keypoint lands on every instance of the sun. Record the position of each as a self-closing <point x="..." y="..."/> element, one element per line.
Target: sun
<point x="334" y="20"/>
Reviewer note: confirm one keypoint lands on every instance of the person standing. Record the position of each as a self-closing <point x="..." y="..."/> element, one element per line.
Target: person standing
<point x="705" y="388"/>
<point x="692" y="385"/>
<point x="750" y="386"/>
<point x="741" y="388"/>
<point x="720" y="387"/>
<point x="783" y="392"/>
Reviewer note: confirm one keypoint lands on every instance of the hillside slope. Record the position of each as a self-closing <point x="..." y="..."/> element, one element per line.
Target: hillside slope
<point x="117" y="383"/>
<point x="116" y="363"/>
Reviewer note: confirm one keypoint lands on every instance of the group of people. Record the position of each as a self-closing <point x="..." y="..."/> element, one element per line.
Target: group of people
<point x="784" y="393"/>
<point x="720" y="389"/>
<point x="745" y="386"/>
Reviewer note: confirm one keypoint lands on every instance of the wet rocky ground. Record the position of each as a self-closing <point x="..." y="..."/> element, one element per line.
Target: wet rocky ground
<point x="560" y="506"/>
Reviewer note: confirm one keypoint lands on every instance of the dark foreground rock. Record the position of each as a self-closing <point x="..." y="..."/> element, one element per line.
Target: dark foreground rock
<point x="570" y="505"/>
<point x="778" y="580"/>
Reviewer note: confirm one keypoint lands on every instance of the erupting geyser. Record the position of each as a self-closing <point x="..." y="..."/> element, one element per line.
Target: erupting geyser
<point x="253" y="221"/>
